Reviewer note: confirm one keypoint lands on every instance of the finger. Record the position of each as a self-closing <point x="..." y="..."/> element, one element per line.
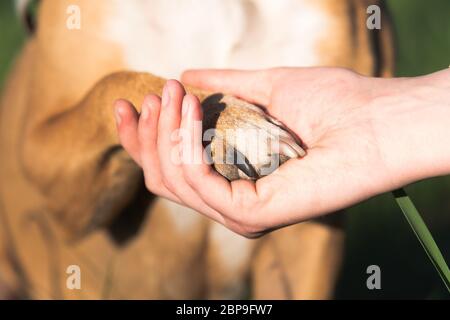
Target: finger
<point x="127" y="124"/>
<point x="168" y="150"/>
<point x="191" y="101"/>
<point x="168" y="125"/>
<point x="253" y="86"/>
<point x="147" y="135"/>
<point x="212" y="188"/>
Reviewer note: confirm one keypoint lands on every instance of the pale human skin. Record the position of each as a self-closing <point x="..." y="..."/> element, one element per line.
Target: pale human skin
<point x="364" y="136"/>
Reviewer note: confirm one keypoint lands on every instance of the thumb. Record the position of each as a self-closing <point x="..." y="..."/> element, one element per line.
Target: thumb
<point x="251" y="85"/>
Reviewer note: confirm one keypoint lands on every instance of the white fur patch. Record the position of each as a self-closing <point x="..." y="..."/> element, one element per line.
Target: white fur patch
<point x="184" y="219"/>
<point x="234" y="250"/>
<point x="167" y="37"/>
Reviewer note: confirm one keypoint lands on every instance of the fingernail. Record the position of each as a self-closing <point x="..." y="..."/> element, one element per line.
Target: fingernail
<point x="165" y="96"/>
<point x="118" y="117"/>
<point x="185" y="107"/>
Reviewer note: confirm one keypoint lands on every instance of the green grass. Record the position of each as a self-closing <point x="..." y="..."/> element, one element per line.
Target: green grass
<point x="423" y="234"/>
<point x="423" y="34"/>
<point x="11" y="37"/>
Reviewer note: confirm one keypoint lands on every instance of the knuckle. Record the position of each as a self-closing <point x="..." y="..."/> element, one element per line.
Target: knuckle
<point x="148" y="184"/>
<point x="188" y="176"/>
<point x="152" y="185"/>
<point x="246" y="207"/>
<point x="167" y="182"/>
<point x="142" y="134"/>
<point x="192" y="177"/>
<point x="245" y="229"/>
<point x="250" y="232"/>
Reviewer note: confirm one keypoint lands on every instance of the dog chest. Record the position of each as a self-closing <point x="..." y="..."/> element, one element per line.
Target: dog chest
<point x="166" y="37"/>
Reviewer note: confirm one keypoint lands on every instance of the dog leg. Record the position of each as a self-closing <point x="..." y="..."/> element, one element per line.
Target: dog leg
<point x="85" y="175"/>
<point x="298" y="262"/>
<point x="12" y="279"/>
<point x="228" y="261"/>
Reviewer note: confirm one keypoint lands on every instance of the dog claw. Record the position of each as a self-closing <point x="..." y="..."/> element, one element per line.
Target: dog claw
<point x="287" y="150"/>
<point x="245" y="166"/>
<point x="258" y="142"/>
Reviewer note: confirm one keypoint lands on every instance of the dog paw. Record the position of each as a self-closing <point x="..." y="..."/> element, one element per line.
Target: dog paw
<point x="243" y="141"/>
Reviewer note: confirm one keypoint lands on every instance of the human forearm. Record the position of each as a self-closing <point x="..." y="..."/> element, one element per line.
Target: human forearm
<point x="411" y="119"/>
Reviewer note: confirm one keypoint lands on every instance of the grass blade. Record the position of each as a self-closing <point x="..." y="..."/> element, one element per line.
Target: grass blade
<point x="423" y="235"/>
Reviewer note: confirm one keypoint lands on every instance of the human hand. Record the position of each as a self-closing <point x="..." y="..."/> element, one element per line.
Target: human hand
<point x="348" y="123"/>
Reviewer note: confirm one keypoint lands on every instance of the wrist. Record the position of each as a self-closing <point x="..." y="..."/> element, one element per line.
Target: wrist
<point x="411" y="120"/>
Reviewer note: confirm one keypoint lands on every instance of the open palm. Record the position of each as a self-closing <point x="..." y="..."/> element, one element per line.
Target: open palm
<point x="329" y="111"/>
<point x="355" y="130"/>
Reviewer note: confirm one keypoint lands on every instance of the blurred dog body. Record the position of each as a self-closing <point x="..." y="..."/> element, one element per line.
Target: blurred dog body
<point x="55" y="175"/>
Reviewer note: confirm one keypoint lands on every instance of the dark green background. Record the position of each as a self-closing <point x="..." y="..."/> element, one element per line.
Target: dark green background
<point x="377" y="232"/>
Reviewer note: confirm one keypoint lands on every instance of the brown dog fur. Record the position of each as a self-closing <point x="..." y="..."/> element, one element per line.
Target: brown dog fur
<point x="65" y="180"/>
